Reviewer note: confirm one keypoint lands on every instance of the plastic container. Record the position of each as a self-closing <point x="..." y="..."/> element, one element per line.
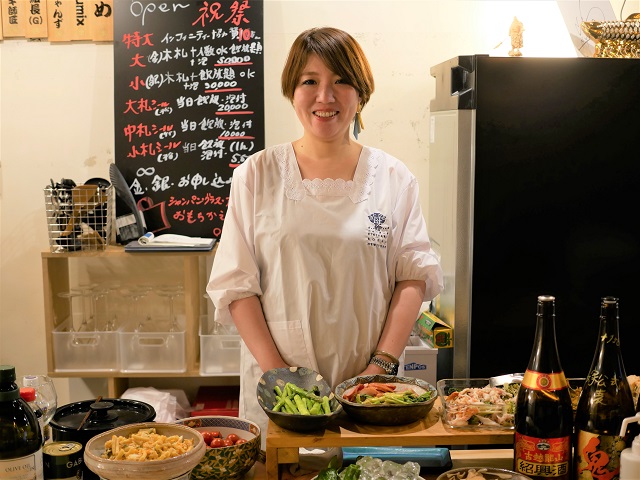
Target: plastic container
<point x="219" y="353"/>
<point x="457" y="415"/>
<point x="86" y="351"/>
<point x="158" y="351"/>
<point x="420" y="361"/>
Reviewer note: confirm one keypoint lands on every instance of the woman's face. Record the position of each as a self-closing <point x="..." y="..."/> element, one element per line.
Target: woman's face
<point x="325" y="105"/>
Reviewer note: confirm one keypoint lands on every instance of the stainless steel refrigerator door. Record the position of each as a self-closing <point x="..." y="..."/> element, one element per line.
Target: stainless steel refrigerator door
<point x="451" y="164"/>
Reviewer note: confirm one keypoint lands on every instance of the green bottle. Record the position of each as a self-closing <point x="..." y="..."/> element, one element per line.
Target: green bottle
<point x="20" y="434"/>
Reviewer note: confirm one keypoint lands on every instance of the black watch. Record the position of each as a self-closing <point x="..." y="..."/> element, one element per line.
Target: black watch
<point x="390" y="368"/>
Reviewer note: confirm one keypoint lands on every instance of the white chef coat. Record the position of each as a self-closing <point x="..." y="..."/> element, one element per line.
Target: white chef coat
<point x="323" y="256"/>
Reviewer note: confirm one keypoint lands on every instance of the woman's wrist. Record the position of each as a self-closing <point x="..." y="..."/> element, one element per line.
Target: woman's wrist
<point x="382" y="361"/>
<point x="387" y="355"/>
<point x="373" y="370"/>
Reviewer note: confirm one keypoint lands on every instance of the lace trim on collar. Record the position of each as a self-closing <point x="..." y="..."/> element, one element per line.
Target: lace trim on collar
<point x="357" y="189"/>
<point x="328" y="186"/>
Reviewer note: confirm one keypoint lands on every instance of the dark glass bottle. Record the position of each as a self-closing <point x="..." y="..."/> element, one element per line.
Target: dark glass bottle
<point x="20" y="435"/>
<point x="604" y="403"/>
<point x="544" y="418"/>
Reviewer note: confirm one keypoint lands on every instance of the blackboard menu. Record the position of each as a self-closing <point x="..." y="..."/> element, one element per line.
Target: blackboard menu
<point x="189" y="106"/>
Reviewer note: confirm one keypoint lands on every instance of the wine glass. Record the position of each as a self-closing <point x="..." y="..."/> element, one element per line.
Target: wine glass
<point x="46" y="398"/>
<point x="86" y="293"/>
<point x="70" y="295"/>
<point x="100" y="308"/>
<point x="111" y="306"/>
<point x="136" y="294"/>
<point x="171" y="292"/>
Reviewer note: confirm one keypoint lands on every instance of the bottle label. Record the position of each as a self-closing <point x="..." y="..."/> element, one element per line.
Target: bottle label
<point x="543" y="457"/>
<point x="23" y="468"/>
<point x="598" y="456"/>
<point x="544" y="381"/>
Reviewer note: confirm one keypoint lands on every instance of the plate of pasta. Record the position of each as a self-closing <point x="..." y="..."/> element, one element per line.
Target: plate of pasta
<point x="145" y="451"/>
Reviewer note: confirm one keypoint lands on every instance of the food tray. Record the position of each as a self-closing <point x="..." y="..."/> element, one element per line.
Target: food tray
<point x="483" y="409"/>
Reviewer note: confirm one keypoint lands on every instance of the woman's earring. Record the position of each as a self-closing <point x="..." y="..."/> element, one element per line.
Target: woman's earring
<point x="358" y="126"/>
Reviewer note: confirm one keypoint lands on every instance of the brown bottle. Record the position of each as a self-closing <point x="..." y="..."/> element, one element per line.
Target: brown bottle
<point x="544" y="418"/>
<point x="604" y="403"/>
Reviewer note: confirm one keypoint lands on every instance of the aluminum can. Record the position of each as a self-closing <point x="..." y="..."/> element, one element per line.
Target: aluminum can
<point x="62" y="460"/>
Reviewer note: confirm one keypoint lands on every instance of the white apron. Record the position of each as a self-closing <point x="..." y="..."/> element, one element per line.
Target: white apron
<point x="323" y="257"/>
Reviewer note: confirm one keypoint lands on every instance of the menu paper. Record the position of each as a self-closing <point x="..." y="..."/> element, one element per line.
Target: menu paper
<point x="189" y="106"/>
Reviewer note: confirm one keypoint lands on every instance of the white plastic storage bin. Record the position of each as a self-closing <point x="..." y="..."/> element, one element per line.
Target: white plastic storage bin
<point x="154" y="349"/>
<point x="219" y="349"/>
<point x="420" y="360"/>
<point x="86" y="351"/>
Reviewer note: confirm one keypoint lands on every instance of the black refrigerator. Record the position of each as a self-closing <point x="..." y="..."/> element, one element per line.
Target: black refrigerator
<point x="534" y="180"/>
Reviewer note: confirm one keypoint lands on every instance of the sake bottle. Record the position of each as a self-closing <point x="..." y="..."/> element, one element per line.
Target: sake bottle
<point x="604" y="403"/>
<point x="544" y="417"/>
<point x="20" y="435"/>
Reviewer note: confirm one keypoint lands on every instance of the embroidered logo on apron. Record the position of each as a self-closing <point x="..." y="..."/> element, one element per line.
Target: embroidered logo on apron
<point x="377" y="233"/>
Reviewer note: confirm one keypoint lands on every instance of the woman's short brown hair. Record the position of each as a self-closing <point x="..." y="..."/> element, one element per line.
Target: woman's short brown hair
<point x="340" y="52"/>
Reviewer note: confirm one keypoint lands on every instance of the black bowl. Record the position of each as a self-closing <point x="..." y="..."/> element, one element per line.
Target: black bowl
<point x="386" y="414"/>
<point x="303" y="378"/>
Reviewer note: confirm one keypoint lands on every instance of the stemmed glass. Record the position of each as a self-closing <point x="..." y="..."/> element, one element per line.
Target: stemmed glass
<point x="88" y="311"/>
<point x="70" y="295"/>
<point x="101" y="306"/>
<point x="110" y="311"/>
<point x="171" y="292"/>
<point x="46" y="398"/>
<point x="136" y="294"/>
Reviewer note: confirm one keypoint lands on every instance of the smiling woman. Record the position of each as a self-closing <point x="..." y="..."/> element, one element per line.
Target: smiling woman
<point x="325" y="257"/>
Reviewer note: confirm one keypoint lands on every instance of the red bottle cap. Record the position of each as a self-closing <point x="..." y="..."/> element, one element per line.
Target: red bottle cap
<point x="28" y="394"/>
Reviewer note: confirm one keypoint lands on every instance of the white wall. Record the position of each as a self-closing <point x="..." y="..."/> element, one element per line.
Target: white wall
<point x="56" y="118"/>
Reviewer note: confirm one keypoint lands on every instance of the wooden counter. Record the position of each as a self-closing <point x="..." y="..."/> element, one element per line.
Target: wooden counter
<point x="282" y="445"/>
<point x="496" y="458"/>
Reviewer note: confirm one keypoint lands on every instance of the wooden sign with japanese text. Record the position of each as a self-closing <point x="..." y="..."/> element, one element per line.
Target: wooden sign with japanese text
<point x="58" y="20"/>
<point x="189" y="106"/>
<point x="36" y="16"/>
<point x="77" y="20"/>
<point x="13" y="18"/>
<point x="24" y="18"/>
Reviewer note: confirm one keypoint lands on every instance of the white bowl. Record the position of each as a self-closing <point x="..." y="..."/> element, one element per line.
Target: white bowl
<point x="170" y="469"/>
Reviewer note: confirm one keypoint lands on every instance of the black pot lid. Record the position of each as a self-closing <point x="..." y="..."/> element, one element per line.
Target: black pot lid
<point x="106" y="414"/>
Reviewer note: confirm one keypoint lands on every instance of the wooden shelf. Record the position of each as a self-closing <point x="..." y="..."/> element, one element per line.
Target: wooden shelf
<point x="56" y="269"/>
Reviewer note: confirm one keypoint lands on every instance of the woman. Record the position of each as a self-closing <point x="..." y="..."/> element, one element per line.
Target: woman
<point x="324" y="260"/>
